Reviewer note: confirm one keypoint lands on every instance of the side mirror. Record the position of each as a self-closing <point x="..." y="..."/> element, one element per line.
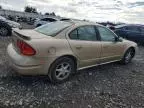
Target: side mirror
<point x="112" y="28"/>
<point x="118" y="39"/>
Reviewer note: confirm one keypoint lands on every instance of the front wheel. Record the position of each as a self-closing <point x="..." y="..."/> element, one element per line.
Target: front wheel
<point x="61" y="69"/>
<point x="128" y="56"/>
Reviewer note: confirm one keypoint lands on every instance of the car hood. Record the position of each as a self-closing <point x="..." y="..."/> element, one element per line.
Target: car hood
<point x="32" y="34"/>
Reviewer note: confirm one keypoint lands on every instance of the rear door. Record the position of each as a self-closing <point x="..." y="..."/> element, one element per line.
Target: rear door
<point x="83" y="41"/>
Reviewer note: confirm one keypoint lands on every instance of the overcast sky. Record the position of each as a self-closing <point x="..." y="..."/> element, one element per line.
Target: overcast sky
<point x="131" y="11"/>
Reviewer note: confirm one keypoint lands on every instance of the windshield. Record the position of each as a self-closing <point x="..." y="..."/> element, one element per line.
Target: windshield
<point x="53" y="28"/>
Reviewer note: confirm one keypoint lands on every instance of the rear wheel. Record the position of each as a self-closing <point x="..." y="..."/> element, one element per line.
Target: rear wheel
<point x="61" y="69"/>
<point x="128" y="56"/>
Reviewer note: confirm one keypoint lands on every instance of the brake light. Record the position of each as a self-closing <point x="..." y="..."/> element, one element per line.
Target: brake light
<point x="25" y="49"/>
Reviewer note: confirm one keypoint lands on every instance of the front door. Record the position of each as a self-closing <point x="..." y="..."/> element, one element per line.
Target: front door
<point x="111" y="50"/>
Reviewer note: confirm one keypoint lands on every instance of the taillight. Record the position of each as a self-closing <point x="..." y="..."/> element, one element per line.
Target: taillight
<point x="25" y="49"/>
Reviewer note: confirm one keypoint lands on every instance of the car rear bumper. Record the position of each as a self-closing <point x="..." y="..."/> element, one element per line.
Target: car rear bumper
<point x="24" y="65"/>
<point x="28" y="70"/>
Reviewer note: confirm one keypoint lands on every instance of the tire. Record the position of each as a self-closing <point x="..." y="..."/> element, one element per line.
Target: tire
<point x="61" y="70"/>
<point x="5" y="29"/>
<point x="128" y="56"/>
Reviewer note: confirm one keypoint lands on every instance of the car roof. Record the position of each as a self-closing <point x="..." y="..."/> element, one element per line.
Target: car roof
<point x="74" y="21"/>
<point x="81" y="22"/>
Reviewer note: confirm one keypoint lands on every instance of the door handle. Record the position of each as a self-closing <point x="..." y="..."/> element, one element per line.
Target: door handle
<point x="78" y="47"/>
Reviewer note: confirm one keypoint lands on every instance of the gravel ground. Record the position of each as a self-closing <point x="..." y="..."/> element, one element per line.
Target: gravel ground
<point x="108" y="86"/>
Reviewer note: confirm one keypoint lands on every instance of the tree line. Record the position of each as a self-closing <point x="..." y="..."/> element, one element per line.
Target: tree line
<point x="30" y="9"/>
<point x="34" y="10"/>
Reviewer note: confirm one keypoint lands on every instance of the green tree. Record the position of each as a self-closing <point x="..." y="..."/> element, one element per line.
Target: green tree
<point x="46" y="13"/>
<point x="53" y="14"/>
<point x="30" y="9"/>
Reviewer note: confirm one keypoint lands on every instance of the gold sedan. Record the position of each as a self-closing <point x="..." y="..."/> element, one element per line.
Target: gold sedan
<point x="60" y="48"/>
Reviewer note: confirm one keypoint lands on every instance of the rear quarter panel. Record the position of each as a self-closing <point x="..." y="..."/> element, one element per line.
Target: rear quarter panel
<point x="48" y="50"/>
<point x="50" y="47"/>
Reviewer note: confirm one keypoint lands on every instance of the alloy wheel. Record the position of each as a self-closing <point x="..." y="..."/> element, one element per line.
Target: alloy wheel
<point x="128" y="56"/>
<point x="63" y="70"/>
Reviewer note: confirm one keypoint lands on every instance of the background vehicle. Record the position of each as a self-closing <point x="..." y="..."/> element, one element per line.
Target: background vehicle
<point x="60" y="48"/>
<point x="131" y="32"/>
<point x="5" y="29"/>
<point x="7" y="25"/>
<point x="46" y="20"/>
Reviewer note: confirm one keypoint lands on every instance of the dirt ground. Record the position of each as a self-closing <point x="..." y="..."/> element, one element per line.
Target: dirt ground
<point x="108" y="86"/>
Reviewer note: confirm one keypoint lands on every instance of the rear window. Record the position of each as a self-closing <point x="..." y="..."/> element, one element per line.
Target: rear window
<point x="53" y="28"/>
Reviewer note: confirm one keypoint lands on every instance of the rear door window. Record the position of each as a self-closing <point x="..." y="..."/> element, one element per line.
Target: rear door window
<point x="87" y="33"/>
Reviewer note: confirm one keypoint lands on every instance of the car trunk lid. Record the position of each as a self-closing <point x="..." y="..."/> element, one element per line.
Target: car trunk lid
<point x="26" y="36"/>
<point x="29" y="34"/>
